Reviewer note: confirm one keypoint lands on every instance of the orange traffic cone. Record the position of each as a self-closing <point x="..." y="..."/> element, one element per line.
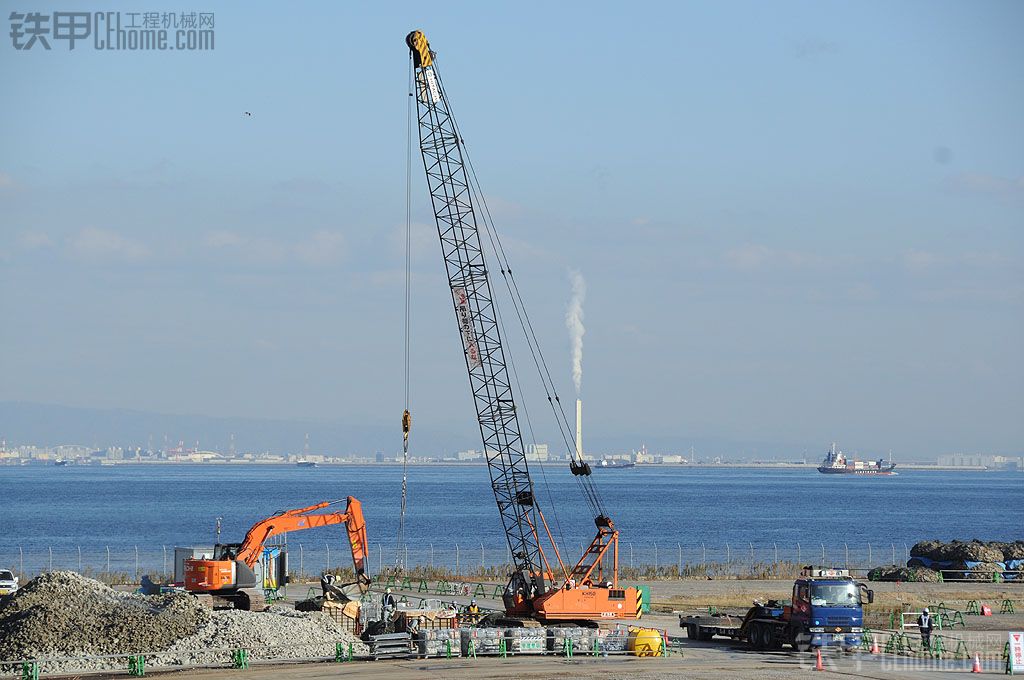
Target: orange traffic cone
<point x="976" y="668"/>
<point x="874" y="645"/>
<point x="818" y="666"/>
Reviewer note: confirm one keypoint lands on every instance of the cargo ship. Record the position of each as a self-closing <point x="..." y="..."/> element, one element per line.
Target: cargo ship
<point x="616" y="465"/>
<point x="836" y="463"/>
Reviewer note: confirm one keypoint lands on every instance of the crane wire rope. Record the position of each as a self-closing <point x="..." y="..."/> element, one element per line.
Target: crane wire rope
<point x="587" y="485"/>
<point x="406" y="417"/>
<point x="533" y="437"/>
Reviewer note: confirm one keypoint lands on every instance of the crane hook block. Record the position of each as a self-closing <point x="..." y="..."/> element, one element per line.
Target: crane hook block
<point x="420" y="48"/>
<point x="406" y="422"/>
<point x="581" y="469"/>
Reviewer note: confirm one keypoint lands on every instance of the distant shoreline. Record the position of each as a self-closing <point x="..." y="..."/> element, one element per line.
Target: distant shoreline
<point x="917" y="467"/>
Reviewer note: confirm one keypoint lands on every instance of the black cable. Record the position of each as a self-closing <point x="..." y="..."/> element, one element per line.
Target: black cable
<point x="587" y="484"/>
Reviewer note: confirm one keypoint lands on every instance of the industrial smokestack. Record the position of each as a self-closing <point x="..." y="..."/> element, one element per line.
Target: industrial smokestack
<point x="579" y="429"/>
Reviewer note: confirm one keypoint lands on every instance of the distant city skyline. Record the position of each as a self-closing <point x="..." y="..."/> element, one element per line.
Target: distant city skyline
<point x="798" y="222"/>
<point x="24" y="424"/>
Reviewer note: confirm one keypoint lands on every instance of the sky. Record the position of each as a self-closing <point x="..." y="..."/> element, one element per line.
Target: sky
<point x="797" y="222"/>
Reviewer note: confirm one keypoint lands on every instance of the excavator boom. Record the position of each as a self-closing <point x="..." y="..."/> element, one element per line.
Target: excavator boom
<point x="231" y="574"/>
<point x="303" y="518"/>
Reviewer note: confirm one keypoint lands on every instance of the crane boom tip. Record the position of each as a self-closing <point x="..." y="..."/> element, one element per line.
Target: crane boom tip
<point x="420" y="49"/>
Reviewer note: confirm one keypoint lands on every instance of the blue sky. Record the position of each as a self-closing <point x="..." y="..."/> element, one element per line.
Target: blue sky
<point x="797" y="221"/>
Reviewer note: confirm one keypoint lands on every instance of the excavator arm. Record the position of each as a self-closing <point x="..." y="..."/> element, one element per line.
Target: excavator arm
<point x="304" y="518"/>
<point x="231" y="573"/>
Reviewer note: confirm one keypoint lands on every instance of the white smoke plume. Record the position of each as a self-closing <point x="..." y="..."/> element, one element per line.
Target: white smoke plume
<point x="574" y="322"/>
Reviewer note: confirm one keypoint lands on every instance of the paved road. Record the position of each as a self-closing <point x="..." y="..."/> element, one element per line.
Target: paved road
<point x="699" y="664"/>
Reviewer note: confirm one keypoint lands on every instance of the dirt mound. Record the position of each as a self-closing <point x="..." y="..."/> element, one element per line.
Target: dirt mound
<point x="982" y="571"/>
<point x="62" y="613"/>
<point x="1011" y="551"/>
<point x="960" y="552"/>
<point x="903" y="574"/>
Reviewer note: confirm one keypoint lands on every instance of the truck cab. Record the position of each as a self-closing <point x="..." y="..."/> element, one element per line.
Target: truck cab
<point x="827" y="609"/>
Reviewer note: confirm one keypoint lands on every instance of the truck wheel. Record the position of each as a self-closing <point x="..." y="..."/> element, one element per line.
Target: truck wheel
<point x="754" y="636"/>
<point x="800" y="644"/>
<point x="766" y="637"/>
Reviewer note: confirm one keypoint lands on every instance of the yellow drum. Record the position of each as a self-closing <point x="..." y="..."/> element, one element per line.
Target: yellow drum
<point x="645" y="642"/>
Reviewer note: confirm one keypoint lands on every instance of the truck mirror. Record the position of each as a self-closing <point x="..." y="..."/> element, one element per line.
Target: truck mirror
<point x="871" y="596"/>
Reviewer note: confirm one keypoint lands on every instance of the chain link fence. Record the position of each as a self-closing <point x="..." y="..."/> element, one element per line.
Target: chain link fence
<point x="126" y="564"/>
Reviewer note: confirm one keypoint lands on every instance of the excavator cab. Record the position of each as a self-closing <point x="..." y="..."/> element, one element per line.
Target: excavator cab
<point x="226" y="551"/>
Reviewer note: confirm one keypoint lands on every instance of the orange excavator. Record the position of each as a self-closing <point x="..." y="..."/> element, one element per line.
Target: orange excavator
<point x="232" y="577"/>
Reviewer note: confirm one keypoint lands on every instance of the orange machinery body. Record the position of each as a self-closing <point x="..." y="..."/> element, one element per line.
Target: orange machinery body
<point x="588" y="603"/>
<point x="209" y="576"/>
<point x="585" y="593"/>
<point x="232" y="568"/>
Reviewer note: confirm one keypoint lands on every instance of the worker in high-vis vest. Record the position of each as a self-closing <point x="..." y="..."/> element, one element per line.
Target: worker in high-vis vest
<point x="924" y="624"/>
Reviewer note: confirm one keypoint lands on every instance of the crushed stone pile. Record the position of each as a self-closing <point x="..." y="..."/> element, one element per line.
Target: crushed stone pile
<point x="62" y="613"/>
<point x="65" y="617"/>
<point x="279" y="633"/>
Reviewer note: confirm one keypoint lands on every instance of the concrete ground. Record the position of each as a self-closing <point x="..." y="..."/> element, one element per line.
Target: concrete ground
<point x="698" y="660"/>
<point x="715" y="662"/>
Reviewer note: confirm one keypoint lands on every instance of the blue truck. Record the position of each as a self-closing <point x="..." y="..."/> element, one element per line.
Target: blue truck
<point x="826" y="611"/>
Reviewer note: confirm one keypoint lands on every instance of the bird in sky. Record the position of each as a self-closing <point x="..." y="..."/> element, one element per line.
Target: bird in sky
<point x="248" y="114"/>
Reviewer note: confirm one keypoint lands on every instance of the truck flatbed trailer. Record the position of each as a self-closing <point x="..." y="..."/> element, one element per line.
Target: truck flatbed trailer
<point x="825" y="611"/>
<point x="759" y="627"/>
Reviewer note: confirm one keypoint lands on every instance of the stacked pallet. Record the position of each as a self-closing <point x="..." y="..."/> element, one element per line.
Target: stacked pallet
<point x="614" y="641"/>
<point x="583" y="639"/>
<point x="439" y="642"/>
<point x="485" y="640"/>
<point x="391" y="646"/>
<point x="525" y="640"/>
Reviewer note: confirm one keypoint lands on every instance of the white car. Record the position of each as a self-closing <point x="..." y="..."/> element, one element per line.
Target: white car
<point x="8" y="582"/>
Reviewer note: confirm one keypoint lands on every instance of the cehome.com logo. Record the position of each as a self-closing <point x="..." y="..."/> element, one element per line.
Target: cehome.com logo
<point x="117" y="31"/>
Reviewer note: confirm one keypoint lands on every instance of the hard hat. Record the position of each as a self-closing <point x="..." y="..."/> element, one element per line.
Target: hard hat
<point x="388" y="591"/>
<point x="473" y="601"/>
<point x="926" y="610"/>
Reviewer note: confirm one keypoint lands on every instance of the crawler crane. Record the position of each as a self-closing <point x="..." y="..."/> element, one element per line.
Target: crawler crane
<point x="542" y="586"/>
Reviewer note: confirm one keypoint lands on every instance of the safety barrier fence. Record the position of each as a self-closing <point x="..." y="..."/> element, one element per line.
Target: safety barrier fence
<point x="987" y="646"/>
<point x="964" y="646"/>
<point x="343" y="651"/>
<point x="661" y="559"/>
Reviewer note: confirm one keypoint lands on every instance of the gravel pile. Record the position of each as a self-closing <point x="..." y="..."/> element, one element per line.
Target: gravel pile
<point x="66" y="616"/>
<point x="279" y="633"/>
<point x="62" y="613"/>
